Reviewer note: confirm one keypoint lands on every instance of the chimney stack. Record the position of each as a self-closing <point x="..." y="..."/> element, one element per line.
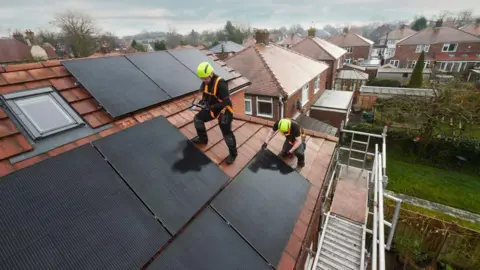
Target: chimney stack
<point x="312" y="31"/>
<point x="439" y="23"/>
<point x="262" y="36"/>
<point x="18" y="36"/>
<point x="345" y="31"/>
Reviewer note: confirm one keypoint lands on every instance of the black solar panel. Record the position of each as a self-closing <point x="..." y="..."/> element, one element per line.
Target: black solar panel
<point x="209" y="243"/>
<point x="74" y="212"/>
<point x="263" y="204"/>
<point x="193" y="57"/>
<point x="118" y="85"/>
<point x="172" y="176"/>
<point x="171" y="75"/>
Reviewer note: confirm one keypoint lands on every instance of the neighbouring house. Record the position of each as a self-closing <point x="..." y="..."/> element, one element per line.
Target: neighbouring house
<point x="474" y="76"/>
<point x="83" y="171"/>
<point x="290" y="40"/>
<point x="322" y="50"/>
<point x="473" y="29"/>
<point x="387" y="43"/>
<point x="451" y="49"/>
<point x="13" y="50"/>
<point x="350" y="78"/>
<point x="379" y="32"/>
<point x="358" y="48"/>
<point x="333" y="107"/>
<point x="226" y="49"/>
<point x="284" y="82"/>
<point x="403" y="75"/>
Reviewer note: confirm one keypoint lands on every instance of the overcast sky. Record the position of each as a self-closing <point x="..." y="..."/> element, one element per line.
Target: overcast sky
<point x="137" y="15"/>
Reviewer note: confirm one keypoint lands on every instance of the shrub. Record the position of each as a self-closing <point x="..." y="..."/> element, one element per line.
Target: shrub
<point x="387" y="83"/>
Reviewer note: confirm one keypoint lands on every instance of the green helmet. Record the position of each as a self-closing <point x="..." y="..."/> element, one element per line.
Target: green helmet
<point x="204" y="70"/>
<point x="284" y="125"/>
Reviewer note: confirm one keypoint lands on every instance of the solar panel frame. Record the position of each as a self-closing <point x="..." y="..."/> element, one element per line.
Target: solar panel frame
<point x="263" y="203"/>
<point x="117" y="84"/>
<point x="191" y="58"/>
<point x="167" y="171"/>
<point x="74" y="211"/>
<point x="209" y="243"/>
<point x="167" y="72"/>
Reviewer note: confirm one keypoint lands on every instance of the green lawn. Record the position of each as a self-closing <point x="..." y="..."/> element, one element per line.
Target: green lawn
<point x="450" y="188"/>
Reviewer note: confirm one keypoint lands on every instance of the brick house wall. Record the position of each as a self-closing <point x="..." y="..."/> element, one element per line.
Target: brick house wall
<point x="359" y="52"/>
<point x="238" y="101"/>
<point x="467" y="51"/>
<point x="333" y="118"/>
<point x="290" y="104"/>
<point x="275" y="108"/>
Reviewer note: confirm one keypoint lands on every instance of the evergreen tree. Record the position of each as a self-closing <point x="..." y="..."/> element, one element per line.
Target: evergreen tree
<point x="134" y="43"/>
<point x="416" y="80"/>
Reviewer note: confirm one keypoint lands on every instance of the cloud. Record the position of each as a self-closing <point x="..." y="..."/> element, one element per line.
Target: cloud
<point x="124" y="18"/>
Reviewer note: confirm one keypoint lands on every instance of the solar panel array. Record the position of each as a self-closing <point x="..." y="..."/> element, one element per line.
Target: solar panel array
<point x="116" y="203"/>
<point x="125" y="84"/>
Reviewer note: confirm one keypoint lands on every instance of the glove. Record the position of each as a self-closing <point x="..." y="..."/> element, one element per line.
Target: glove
<point x="264" y="146"/>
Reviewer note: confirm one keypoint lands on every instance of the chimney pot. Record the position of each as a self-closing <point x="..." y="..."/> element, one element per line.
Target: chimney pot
<point x="262" y="36"/>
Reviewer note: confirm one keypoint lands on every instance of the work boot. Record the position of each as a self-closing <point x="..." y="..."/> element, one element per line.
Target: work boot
<point x="200" y="140"/>
<point x="300" y="161"/>
<point x="231" y="159"/>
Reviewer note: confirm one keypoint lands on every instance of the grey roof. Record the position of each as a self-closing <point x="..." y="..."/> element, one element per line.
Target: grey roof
<point x="392" y="91"/>
<point x="334" y="99"/>
<point x="316" y="125"/>
<point x="228" y="46"/>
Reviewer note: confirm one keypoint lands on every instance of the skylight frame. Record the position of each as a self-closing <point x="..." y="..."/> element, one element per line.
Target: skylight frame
<point x="12" y="101"/>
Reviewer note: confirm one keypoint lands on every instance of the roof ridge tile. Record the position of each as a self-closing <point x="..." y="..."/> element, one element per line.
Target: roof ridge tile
<point x="265" y="64"/>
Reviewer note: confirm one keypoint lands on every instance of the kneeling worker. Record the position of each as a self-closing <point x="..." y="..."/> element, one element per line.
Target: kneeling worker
<point x="294" y="139"/>
<point x="216" y="99"/>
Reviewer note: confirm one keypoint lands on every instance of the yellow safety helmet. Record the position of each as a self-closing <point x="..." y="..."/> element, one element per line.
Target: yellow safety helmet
<point x="284" y="125"/>
<point x="204" y="70"/>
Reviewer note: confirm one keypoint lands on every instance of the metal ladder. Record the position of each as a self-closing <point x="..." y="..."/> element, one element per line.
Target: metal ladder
<point x="364" y="152"/>
<point x="340" y="246"/>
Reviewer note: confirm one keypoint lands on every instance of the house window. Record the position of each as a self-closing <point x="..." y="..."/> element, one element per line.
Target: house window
<point x="395" y="62"/>
<point x="348" y="49"/>
<point x="449" y="47"/>
<point x="42" y="112"/>
<point x="405" y="75"/>
<point x="265" y="107"/>
<point x="349" y="60"/>
<point x="305" y="95"/>
<point x="391" y="42"/>
<point x="427" y="64"/>
<point x="248" y="105"/>
<point x="413" y="63"/>
<point x="317" y="84"/>
<point x="421" y="48"/>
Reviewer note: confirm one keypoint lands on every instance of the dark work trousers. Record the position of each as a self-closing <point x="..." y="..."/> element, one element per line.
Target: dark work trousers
<point x="224" y="121"/>
<point x="299" y="152"/>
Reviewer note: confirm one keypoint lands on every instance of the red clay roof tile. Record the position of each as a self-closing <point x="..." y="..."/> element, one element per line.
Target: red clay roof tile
<point x="86" y="106"/>
<point x="37" y="84"/>
<point x="25" y="66"/>
<point x="17" y="77"/>
<point x="7" y="128"/>
<point x="11" y="88"/>
<point x="52" y="63"/>
<point x="75" y="94"/>
<point x="60" y="71"/>
<point x="13" y="145"/>
<point x="63" y="83"/>
<point x="5" y="167"/>
<point x="2" y="114"/>
<point x="42" y="73"/>
<point x="2" y="80"/>
<point x="98" y="118"/>
<point x="143" y="116"/>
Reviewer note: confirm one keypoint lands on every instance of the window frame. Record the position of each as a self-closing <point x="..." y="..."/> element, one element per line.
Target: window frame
<point x="28" y="124"/>
<point x="396" y="63"/>
<point x="305" y="89"/>
<point x="349" y="60"/>
<point x="316" y="85"/>
<point x="248" y="99"/>
<point x="260" y="99"/>
<point x="414" y="62"/>
<point x="448" y="45"/>
<point x="349" y="49"/>
<point x="419" y="49"/>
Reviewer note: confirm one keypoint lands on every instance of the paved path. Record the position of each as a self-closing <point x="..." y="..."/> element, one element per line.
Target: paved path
<point x="438" y="207"/>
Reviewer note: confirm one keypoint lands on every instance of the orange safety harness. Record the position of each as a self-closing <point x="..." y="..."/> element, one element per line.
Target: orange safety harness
<point x="302" y="132"/>
<point x="228" y="107"/>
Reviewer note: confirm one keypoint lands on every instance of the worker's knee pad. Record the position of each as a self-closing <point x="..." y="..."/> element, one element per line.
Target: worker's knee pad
<point x="199" y="124"/>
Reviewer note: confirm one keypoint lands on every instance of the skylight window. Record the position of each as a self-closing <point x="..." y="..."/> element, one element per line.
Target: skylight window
<point x="42" y="112"/>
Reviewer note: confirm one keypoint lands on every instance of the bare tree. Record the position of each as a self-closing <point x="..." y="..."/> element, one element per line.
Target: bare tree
<point x="79" y="30"/>
<point x="173" y="38"/>
<point x="464" y="18"/>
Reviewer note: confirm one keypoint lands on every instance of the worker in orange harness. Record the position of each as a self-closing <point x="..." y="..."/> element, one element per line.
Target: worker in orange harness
<point x="217" y="105"/>
<point x="294" y="139"/>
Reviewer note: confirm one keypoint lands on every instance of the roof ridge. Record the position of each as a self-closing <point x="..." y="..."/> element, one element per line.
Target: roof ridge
<point x="320" y="46"/>
<point x="265" y="64"/>
<point x="461" y="30"/>
<point x="364" y="39"/>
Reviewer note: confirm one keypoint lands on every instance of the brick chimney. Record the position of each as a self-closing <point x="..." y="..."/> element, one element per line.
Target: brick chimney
<point x="345" y="31"/>
<point x="29" y="37"/>
<point x="18" y="36"/>
<point x="262" y="36"/>
<point x="439" y="23"/>
<point x="312" y="31"/>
